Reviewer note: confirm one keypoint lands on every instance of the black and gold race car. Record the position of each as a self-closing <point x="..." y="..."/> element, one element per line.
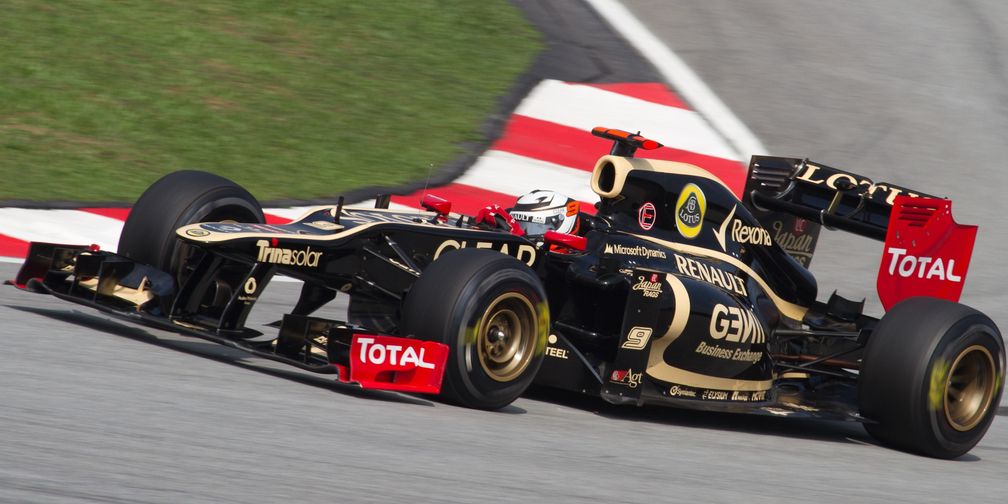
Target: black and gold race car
<point x="675" y="292"/>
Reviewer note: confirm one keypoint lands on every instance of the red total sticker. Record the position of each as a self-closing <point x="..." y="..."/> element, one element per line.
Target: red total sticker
<point x="646" y="216"/>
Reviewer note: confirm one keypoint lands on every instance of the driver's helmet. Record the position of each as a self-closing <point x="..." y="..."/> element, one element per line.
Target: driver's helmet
<point x="540" y="211"/>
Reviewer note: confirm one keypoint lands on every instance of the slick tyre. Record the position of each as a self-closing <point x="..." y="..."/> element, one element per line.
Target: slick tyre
<point x="932" y="377"/>
<point x="177" y="199"/>
<point x="490" y="309"/>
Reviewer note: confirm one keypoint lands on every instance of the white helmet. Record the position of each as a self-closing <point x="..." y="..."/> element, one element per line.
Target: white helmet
<point x="540" y="211"/>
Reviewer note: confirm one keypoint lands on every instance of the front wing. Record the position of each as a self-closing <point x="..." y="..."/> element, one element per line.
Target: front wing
<point x="141" y="294"/>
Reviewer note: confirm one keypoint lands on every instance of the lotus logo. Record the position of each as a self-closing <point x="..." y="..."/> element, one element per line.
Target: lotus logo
<point x="690" y="209"/>
<point x="690" y="214"/>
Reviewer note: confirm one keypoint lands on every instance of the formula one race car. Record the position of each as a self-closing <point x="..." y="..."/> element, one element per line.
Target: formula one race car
<point x="675" y="292"/>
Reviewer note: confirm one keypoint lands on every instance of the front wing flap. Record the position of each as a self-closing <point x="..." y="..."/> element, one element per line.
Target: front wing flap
<point x="142" y="294"/>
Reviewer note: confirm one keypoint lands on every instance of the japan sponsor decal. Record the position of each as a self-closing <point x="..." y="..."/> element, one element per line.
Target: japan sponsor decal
<point x="651" y="286"/>
<point x="794" y="239"/>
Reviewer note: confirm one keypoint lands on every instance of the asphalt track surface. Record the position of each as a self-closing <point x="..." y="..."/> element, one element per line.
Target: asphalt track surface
<point x="93" y="410"/>
<point x="96" y="410"/>
<point x="914" y="93"/>
<point x="908" y="92"/>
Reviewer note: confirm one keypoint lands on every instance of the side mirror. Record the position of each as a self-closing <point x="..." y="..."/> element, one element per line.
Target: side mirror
<point x="579" y="243"/>
<point x="436" y="204"/>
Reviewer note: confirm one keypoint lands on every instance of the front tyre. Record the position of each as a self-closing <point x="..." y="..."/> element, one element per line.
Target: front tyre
<point x="490" y="309"/>
<point x="180" y="198"/>
<point x="932" y="377"/>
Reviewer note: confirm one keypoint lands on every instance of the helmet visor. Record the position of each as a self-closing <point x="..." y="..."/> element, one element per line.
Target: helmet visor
<point x="535" y="228"/>
<point x="551" y="223"/>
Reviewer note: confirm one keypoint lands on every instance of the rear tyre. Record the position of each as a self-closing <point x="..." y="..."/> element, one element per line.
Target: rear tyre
<point x="932" y="377"/>
<point x="177" y="199"/>
<point x="490" y="309"/>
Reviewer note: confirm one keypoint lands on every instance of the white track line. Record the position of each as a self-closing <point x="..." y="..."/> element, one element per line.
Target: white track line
<point x="291" y="213"/>
<point x="294" y="213"/>
<point x="681" y="77"/>
<point x="584" y="107"/>
<point x="370" y="204"/>
<point x="508" y="173"/>
<point x="61" y="226"/>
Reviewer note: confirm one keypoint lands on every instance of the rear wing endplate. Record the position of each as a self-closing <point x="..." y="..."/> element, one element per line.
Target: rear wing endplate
<point x="926" y="253"/>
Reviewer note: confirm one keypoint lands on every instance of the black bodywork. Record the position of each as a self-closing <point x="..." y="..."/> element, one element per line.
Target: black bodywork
<point x="684" y="294"/>
<point x="728" y="325"/>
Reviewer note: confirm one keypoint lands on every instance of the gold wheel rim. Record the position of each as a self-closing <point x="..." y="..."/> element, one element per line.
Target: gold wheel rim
<point x="969" y="388"/>
<point x="506" y="337"/>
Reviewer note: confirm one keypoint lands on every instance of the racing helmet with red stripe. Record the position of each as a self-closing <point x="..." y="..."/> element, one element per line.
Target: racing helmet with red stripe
<point x="540" y="211"/>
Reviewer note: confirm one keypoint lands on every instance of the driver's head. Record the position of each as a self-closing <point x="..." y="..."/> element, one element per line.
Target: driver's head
<point x="540" y="211"/>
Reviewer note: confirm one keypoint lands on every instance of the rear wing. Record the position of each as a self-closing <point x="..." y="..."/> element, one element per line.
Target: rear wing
<point x="794" y="197"/>
<point x="926" y="253"/>
<point x="822" y="194"/>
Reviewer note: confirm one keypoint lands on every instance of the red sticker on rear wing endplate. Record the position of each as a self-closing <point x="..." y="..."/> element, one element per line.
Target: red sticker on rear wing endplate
<point x="394" y="363"/>
<point x="926" y="253"/>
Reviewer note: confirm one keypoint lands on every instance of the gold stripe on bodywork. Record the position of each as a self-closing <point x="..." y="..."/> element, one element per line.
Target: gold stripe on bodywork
<point x="215" y="237"/>
<point x="138" y="296"/>
<point x="658" y="368"/>
<point x="656" y="358"/>
<point x="786" y="308"/>
<point x="622" y="166"/>
<point x="679" y="376"/>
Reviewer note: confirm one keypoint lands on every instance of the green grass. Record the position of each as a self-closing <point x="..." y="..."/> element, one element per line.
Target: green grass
<point x="297" y="99"/>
